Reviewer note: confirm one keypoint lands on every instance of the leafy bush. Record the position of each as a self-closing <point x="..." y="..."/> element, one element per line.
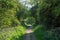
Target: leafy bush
<point x="13" y="33"/>
<point x="8" y="10"/>
<point x="42" y="34"/>
<point x="47" y="12"/>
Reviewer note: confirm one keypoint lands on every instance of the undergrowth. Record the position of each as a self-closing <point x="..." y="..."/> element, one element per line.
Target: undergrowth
<point x="42" y="34"/>
<point x="13" y="33"/>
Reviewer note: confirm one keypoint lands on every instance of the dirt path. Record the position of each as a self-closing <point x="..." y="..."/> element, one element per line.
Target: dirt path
<point x="29" y="34"/>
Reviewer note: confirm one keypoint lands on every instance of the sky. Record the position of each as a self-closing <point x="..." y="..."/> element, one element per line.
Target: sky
<point x="26" y="3"/>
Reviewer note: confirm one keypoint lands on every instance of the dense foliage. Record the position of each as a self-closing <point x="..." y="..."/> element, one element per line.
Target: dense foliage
<point x="14" y="33"/>
<point x="8" y="10"/>
<point x="47" y="12"/>
<point x="10" y="28"/>
<point x="42" y="34"/>
<point x="43" y="14"/>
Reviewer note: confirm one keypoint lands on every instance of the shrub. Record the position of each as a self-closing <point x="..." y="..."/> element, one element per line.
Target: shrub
<point x="43" y="34"/>
<point x="13" y="33"/>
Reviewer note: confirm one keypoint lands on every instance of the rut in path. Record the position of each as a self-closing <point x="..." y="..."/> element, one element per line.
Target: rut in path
<point x="29" y="34"/>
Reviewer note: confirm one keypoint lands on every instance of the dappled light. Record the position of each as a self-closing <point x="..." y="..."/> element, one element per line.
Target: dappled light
<point x="29" y="31"/>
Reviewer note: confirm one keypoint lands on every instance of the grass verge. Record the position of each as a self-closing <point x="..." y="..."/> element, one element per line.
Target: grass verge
<point x="42" y="34"/>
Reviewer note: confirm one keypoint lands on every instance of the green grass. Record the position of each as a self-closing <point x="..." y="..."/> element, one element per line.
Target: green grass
<point x="13" y="33"/>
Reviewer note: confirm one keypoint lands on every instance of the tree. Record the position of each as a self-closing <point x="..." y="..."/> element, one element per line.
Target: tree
<point x="47" y="12"/>
<point x="8" y="10"/>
